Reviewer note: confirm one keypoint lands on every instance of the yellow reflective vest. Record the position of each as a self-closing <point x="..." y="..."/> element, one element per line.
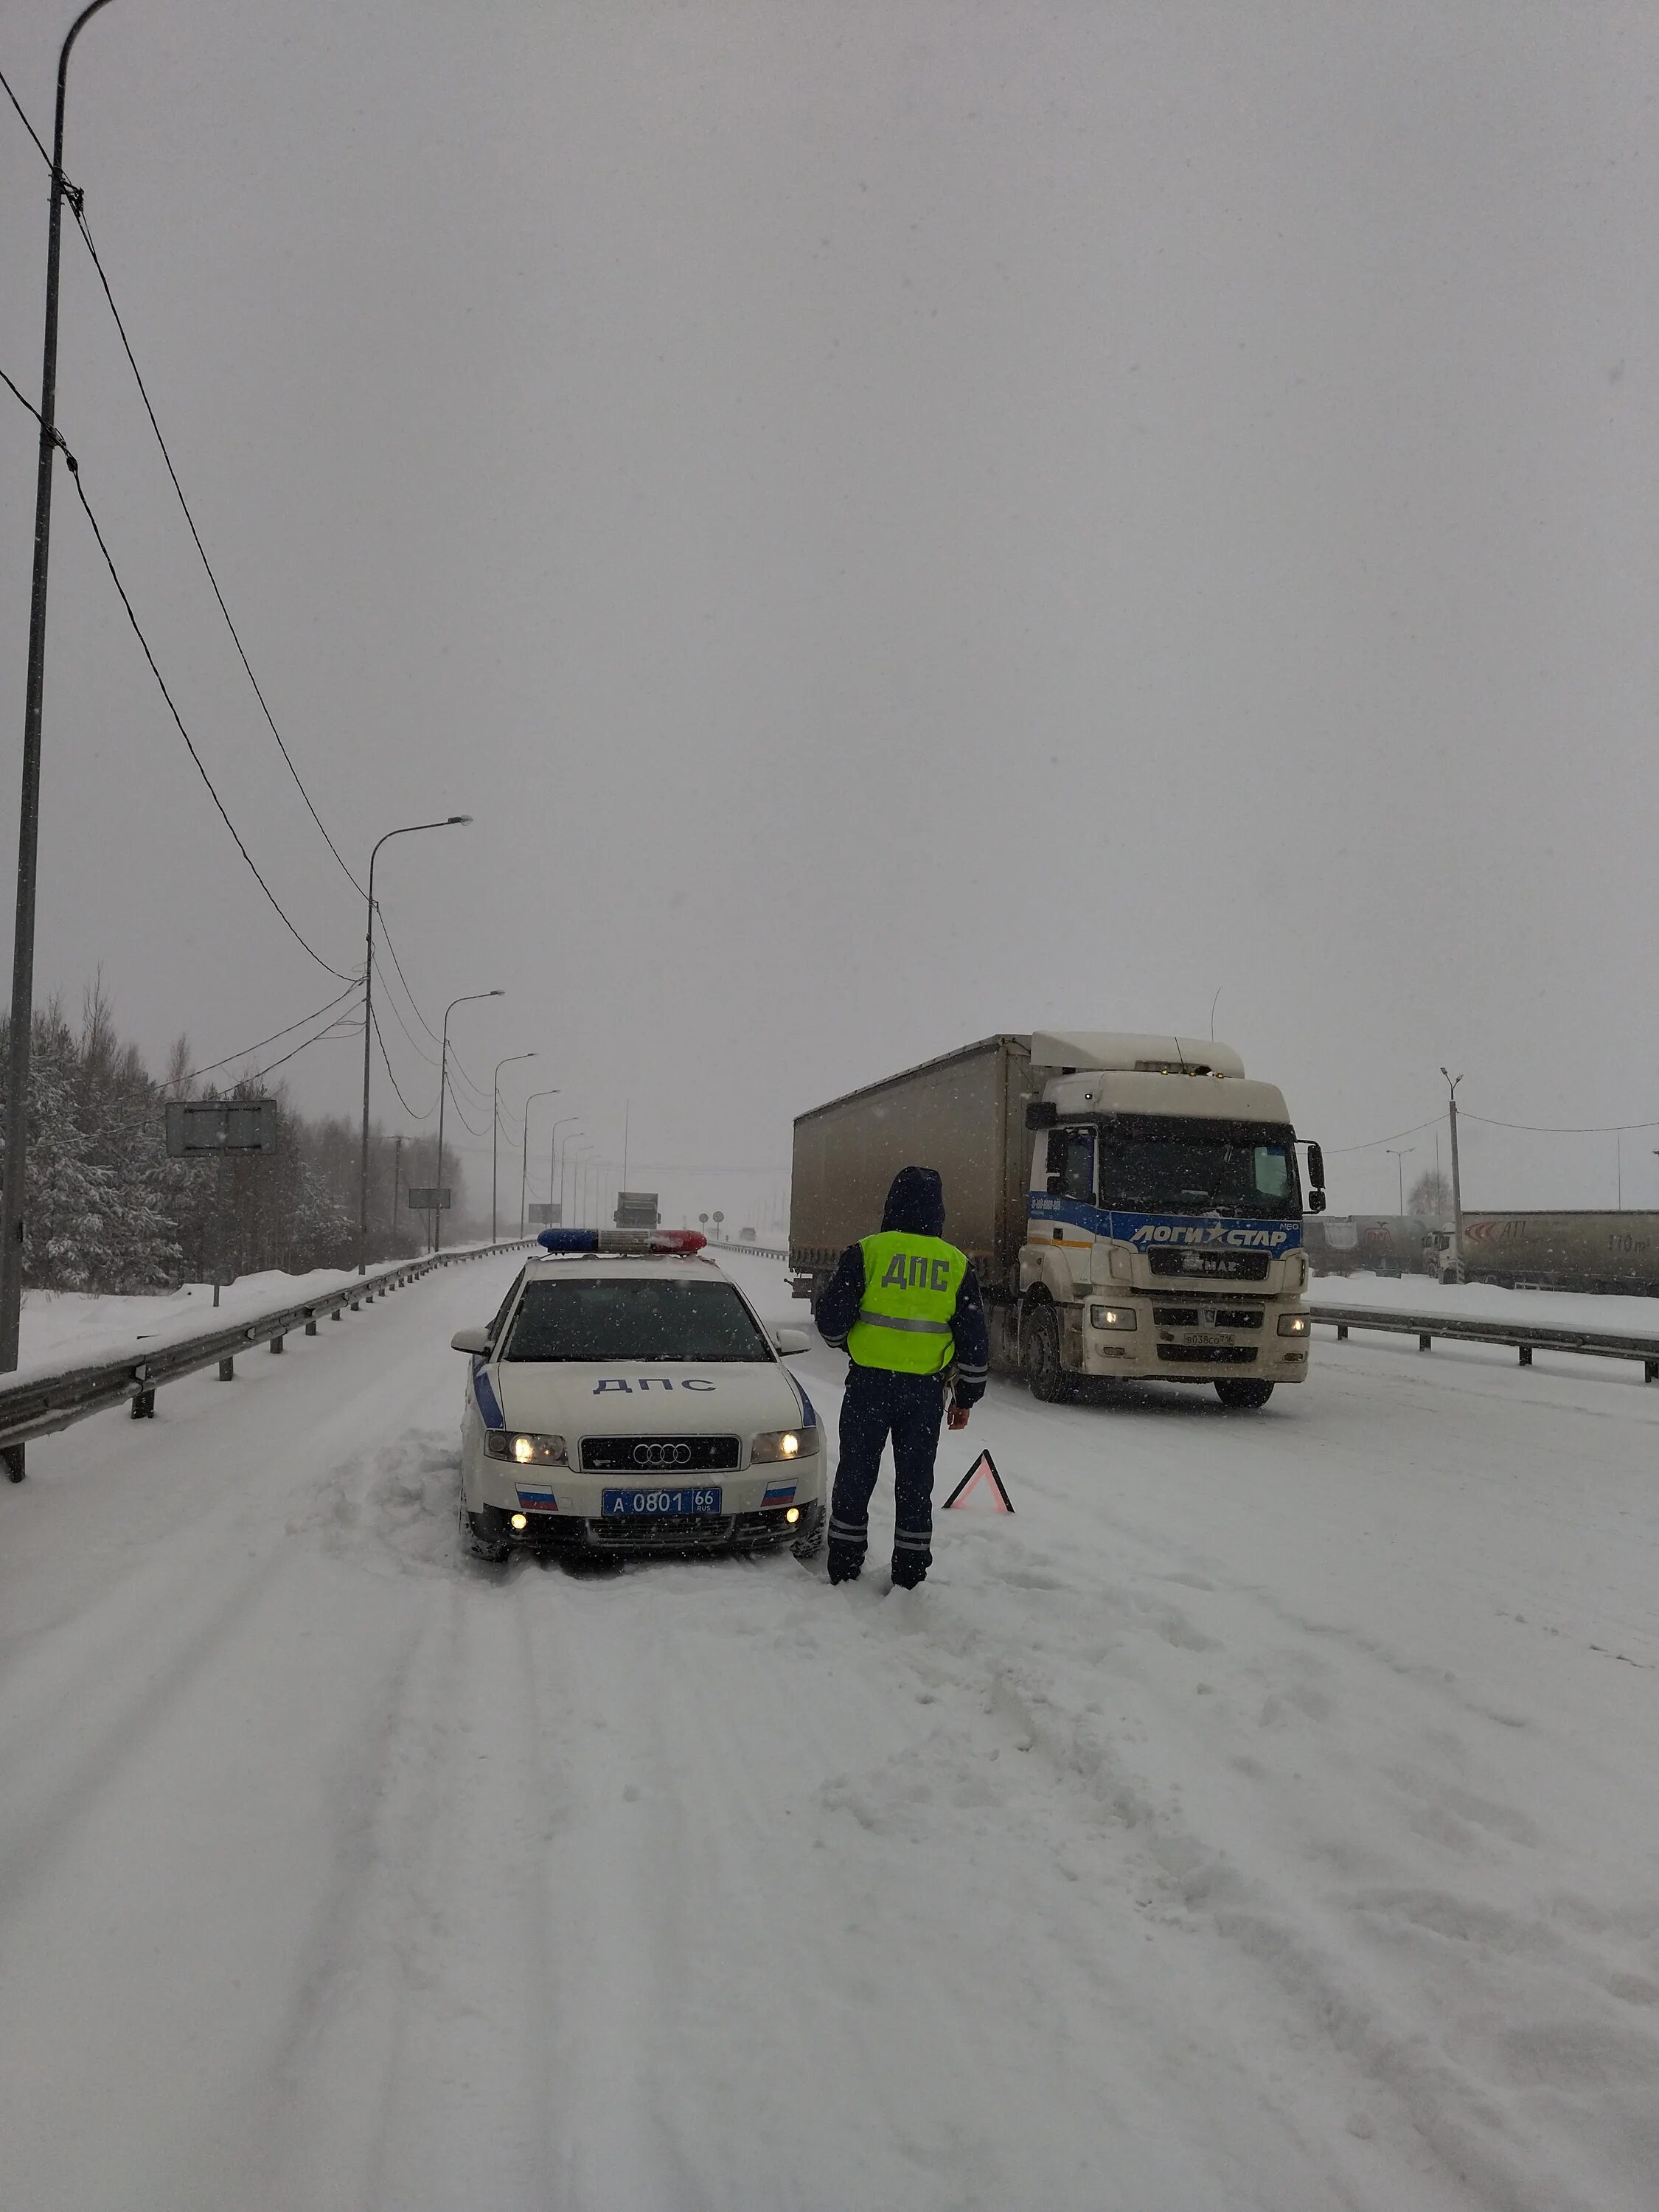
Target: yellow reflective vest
<point x="910" y="1287"/>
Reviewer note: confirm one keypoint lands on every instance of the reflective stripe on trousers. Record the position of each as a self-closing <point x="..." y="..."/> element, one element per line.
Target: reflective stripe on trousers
<point x="879" y="1405"/>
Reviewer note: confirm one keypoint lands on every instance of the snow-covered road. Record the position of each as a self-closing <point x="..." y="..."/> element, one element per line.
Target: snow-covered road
<point x="1267" y="1816"/>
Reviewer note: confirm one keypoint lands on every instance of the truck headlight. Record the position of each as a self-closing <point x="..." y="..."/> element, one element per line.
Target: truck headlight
<point x="1294" y="1324"/>
<point x="1112" y="1317"/>
<point x="524" y="1451"/>
<point x="783" y="1443"/>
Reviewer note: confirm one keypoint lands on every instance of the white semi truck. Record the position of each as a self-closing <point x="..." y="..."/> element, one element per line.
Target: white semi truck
<point x="1133" y="1205"/>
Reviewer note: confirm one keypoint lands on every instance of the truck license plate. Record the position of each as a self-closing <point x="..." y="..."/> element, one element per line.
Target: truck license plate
<point x="655" y="1502"/>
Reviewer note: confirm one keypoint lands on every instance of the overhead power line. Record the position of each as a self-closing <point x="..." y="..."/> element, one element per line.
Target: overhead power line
<point x="480" y="1096"/>
<point x="16" y="394"/>
<point x="115" y="576"/>
<point x="332" y="1035"/>
<point x="410" y="1038"/>
<point x="143" y="393"/>
<point x="460" y="1116"/>
<point x="276" y="1036"/>
<point x="1371" y="1145"/>
<point x="386" y="1062"/>
<point x="386" y="938"/>
<point x="481" y="1099"/>
<point x="1551" y="1129"/>
<point x="24" y="119"/>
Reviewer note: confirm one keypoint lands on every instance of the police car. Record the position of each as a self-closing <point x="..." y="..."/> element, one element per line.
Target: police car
<point x="628" y="1398"/>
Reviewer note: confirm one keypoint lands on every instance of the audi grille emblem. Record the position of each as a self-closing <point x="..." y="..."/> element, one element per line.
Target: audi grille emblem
<point x="662" y="1455"/>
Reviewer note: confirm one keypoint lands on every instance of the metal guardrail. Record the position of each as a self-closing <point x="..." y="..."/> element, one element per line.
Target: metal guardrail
<point x="759" y="1251"/>
<point x="46" y="1403"/>
<point x="1601" y="1344"/>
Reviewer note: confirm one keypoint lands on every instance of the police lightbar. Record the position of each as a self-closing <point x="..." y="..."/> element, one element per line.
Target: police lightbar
<point x="622" y="1240"/>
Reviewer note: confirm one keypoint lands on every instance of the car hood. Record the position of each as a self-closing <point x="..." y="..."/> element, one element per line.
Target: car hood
<point x="665" y="1398"/>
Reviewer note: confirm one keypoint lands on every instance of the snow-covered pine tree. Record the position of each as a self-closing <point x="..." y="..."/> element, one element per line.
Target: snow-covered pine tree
<point x="68" y="1198"/>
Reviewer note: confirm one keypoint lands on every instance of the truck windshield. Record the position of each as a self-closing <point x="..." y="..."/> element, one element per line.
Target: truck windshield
<point x="1201" y="1167"/>
<point x="608" y="1319"/>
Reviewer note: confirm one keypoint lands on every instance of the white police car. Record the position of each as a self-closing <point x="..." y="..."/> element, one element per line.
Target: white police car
<point x="628" y="1398"/>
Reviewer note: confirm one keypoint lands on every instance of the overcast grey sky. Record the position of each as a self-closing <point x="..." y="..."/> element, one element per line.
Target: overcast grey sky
<point x="900" y="520"/>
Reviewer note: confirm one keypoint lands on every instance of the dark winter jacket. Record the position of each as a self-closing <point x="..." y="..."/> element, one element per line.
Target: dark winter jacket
<point x="915" y="1203"/>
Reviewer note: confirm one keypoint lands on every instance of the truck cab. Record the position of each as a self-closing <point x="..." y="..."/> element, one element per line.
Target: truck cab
<point x="1164" y="1223"/>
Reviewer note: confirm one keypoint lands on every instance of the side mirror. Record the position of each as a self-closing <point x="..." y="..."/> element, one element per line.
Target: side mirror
<point x="1315" y="1179"/>
<point x="1041" y="1114"/>
<point x="789" y="1341"/>
<point x="476" y="1340"/>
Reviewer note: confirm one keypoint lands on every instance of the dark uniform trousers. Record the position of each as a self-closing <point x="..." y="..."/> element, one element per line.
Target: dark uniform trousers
<point x="909" y="1408"/>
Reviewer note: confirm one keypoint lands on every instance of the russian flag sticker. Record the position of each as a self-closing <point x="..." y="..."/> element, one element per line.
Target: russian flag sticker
<point x="779" y="1494"/>
<point x="537" y="1500"/>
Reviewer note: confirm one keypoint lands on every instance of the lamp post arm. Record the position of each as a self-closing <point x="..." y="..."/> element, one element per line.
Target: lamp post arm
<point x="407" y="829"/>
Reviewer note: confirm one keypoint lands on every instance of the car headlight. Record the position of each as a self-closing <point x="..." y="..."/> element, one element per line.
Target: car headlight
<point x="1294" y="1324"/>
<point x="1112" y="1317"/>
<point x="524" y="1451"/>
<point x="783" y="1443"/>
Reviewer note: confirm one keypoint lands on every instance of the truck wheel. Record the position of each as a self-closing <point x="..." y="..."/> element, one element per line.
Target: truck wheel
<point x="1047" y="1379"/>
<point x="1242" y="1394"/>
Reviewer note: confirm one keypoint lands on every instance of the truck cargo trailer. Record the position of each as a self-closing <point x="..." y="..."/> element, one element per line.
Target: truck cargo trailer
<point x="1132" y="1204"/>
<point x="1373" y="1243"/>
<point x="1565" y="1251"/>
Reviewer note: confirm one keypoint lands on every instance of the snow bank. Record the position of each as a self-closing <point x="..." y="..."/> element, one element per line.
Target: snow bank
<point x="1490" y="1302"/>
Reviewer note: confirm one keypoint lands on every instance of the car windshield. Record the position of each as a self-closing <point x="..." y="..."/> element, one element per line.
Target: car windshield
<point x="610" y="1318"/>
<point x="1201" y="1168"/>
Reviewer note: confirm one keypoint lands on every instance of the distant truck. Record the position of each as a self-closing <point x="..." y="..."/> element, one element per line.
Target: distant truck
<point x="1374" y="1244"/>
<point x="637" y="1209"/>
<point x="1567" y="1251"/>
<point x="1133" y="1205"/>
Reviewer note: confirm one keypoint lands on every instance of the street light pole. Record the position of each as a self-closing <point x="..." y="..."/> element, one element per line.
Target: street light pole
<point x="555" y="1196"/>
<point x="407" y="831"/>
<point x="1452" y="1082"/>
<point x="466" y="999"/>
<point x="494" y="1130"/>
<point x="564" y="1172"/>
<point x="524" y="1151"/>
<point x="28" y="816"/>
<point x="1397" y="1153"/>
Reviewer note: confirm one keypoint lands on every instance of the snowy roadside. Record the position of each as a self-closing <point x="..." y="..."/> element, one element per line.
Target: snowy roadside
<point x="1262" y="1820"/>
<point x="1489" y="1302"/>
<point x="1355" y="1696"/>
<point x="63" y="1329"/>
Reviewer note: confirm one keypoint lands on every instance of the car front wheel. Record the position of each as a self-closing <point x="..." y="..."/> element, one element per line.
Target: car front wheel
<point x="810" y="1541"/>
<point x="478" y="1540"/>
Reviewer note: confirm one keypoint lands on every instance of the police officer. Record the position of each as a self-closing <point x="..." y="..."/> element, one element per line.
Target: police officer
<point x="905" y="1307"/>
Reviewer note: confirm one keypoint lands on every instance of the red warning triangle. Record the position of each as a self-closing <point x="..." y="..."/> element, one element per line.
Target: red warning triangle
<point x="983" y="1470"/>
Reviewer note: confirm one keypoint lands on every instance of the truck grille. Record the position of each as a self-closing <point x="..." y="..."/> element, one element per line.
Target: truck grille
<point x="658" y="1455"/>
<point x="1207" y="1316"/>
<point x="1219" y="1267"/>
<point x="1210" y="1355"/>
